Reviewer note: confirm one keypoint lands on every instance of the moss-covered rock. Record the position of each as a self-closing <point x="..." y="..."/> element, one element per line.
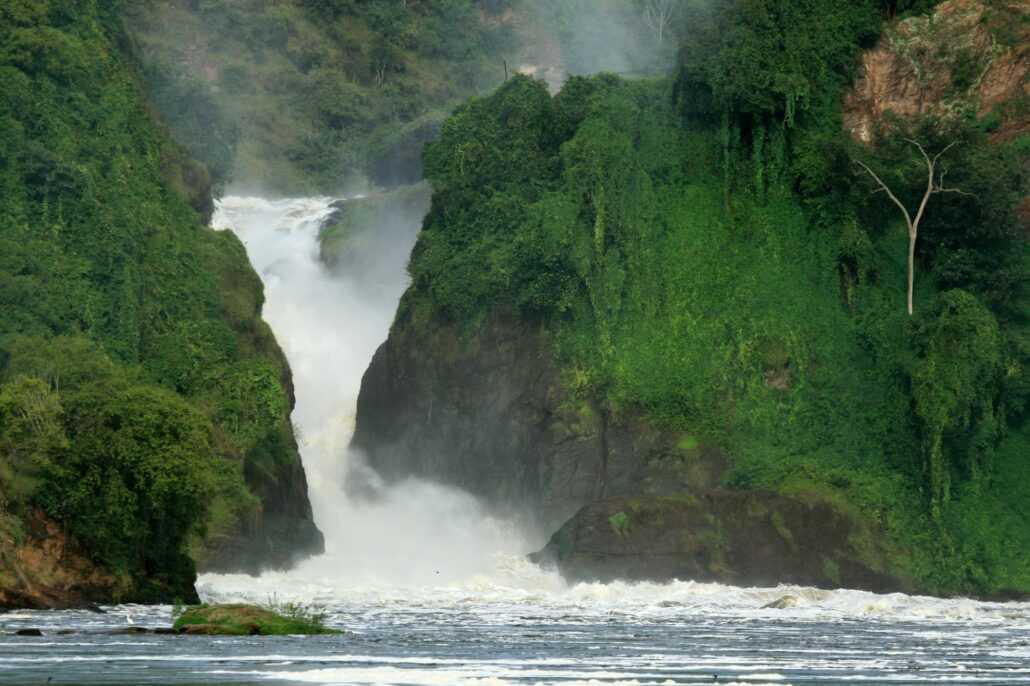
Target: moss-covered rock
<point x="250" y="620"/>
<point x="749" y="538"/>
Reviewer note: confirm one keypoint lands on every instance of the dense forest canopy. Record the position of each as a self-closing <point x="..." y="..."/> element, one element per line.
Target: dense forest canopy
<point x="696" y="235"/>
<point x="303" y="96"/>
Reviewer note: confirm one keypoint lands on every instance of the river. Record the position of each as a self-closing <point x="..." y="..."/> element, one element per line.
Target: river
<point x="431" y="590"/>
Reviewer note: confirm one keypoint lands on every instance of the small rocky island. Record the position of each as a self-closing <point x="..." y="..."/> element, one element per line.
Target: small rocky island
<point x="252" y="620"/>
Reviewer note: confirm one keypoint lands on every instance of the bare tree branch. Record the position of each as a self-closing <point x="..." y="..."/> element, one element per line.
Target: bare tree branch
<point x="887" y="190"/>
<point x="940" y="188"/>
<point x="934" y="185"/>
<point x="658" y="14"/>
<point x="948" y="147"/>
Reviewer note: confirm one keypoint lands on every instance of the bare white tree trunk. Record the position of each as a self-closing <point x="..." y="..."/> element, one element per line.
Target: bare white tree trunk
<point x="934" y="184"/>
<point x="658" y="14"/>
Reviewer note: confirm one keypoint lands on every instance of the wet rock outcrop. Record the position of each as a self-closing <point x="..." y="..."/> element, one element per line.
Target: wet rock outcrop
<point x="490" y="414"/>
<point x="487" y="416"/>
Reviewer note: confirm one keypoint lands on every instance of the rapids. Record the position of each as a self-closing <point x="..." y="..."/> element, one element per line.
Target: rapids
<point x="433" y="591"/>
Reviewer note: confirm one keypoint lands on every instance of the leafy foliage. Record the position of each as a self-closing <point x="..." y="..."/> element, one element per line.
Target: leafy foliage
<point x="318" y="91"/>
<point x="193" y="115"/>
<point x="758" y="309"/>
<point x="955" y="383"/>
<point x="774" y="59"/>
<point x="137" y="382"/>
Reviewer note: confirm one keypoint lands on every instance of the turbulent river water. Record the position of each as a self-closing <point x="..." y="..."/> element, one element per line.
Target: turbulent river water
<point x="430" y="590"/>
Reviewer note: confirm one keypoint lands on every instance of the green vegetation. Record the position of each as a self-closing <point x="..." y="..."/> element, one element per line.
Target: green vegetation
<point x="702" y="250"/>
<point x="137" y="384"/>
<point x="717" y="261"/>
<point x="620" y="524"/>
<point x="278" y="619"/>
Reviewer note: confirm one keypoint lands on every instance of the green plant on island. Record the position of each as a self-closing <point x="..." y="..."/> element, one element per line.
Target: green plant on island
<point x="276" y="618"/>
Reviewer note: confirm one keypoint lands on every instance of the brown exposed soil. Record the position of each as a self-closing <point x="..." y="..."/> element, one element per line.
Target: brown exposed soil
<point x="964" y="56"/>
<point x="47" y="570"/>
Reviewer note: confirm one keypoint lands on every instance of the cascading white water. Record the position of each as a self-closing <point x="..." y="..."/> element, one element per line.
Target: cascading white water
<point x="329" y="326"/>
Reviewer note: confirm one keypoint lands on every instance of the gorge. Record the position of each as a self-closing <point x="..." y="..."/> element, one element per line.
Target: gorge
<point x="402" y="315"/>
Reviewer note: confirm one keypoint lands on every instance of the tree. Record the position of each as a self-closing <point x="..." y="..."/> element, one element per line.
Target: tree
<point x="658" y="14"/>
<point x="934" y="185"/>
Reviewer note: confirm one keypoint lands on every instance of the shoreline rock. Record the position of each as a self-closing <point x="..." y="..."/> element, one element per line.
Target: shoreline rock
<point x="744" y="538"/>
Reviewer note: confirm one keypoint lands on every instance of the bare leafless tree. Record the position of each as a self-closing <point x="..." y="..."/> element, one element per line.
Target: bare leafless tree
<point x="934" y="185"/>
<point x="658" y="14"/>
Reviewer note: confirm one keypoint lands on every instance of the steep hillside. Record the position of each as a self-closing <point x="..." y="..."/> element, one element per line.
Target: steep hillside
<point x="144" y="405"/>
<point x="681" y="303"/>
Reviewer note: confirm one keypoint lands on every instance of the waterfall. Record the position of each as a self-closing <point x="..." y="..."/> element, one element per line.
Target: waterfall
<point x="329" y="325"/>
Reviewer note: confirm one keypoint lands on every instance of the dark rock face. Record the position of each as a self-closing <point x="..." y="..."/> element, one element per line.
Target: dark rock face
<point x="746" y="538"/>
<point x="486" y="417"/>
<point x="489" y="413"/>
<point x="284" y="534"/>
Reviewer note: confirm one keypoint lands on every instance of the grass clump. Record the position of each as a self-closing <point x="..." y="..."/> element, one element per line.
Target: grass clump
<point x="241" y="619"/>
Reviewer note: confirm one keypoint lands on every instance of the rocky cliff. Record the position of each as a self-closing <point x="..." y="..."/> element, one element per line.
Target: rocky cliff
<point x="966" y="57"/>
<point x="489" y="413"/>
<point x="144" y="404"/>
<point x="48" y="569"/>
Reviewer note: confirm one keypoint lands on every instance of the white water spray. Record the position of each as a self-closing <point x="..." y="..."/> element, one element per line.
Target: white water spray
<point x="329" y="326"/>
